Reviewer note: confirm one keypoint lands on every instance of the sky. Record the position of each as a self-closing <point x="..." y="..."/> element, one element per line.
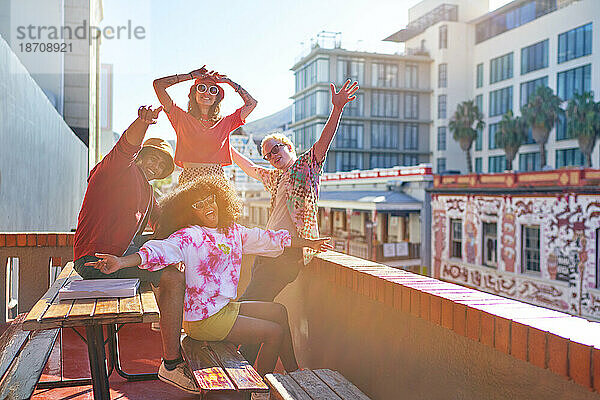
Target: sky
<point x="254" y="42"/>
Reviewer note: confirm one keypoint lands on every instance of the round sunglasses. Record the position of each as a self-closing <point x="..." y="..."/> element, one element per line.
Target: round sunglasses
<point x="201" y="88"/>
<point x="274" y="150"/>
<point x="200" y="204"/>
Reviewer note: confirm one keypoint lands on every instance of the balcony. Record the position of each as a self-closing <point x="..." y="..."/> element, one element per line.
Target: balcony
<point x="392" y="333"/>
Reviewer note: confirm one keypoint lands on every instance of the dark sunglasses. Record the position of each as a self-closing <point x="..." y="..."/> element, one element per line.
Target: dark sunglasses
<point x="274" y="150"/>
<point x="201" y="88"/>
<point x="200" y="204"/>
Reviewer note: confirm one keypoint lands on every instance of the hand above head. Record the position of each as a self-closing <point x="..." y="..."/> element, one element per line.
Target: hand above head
<point x="148" y="115"/>
<point x="107" y="263"/>
<point x="346" y="94"/>
<point x="199" y="73"/>
<point x="219" y="78"/>
<point x="320" y="244"/>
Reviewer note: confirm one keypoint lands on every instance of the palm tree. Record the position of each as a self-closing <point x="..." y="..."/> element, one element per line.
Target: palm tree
<point x="461" y="125"/>
<point x="510" y="136"/>
<point x="583" y="123"/>
<point x="540" y="113"/>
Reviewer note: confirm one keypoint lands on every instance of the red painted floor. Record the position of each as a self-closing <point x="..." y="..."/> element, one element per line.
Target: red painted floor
<point x="140" y="351"/>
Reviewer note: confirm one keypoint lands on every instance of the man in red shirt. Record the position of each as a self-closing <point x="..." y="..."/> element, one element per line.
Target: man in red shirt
<point x="117" y="206"/>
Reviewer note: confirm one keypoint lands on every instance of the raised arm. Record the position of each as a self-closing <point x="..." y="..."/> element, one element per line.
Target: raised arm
<point x="245" y="164"/>
<point x="137" y="130"/>
<point x="339" y="99"/>
<point x="161" y="85"/>
<point x="249" y="101"/>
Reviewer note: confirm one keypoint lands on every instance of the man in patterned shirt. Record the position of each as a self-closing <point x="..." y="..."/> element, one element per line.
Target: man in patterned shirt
<point x="294" y="188"/>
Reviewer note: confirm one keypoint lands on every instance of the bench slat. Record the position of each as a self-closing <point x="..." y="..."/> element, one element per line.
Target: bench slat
<point x="149" y="305"/>
<point x="241" y="373"/>
<point x="206" y="369"/>
<point x="340" y="385"/>
<point x="313" y="386"/>
<point x="105" y="308"/>
<point x="27" y="368"/>
<point x="283" y="387"/>
<point x="82" y="310"/>
<point x="40" y="308"/>
<point x="11" y="342"/>
<point x="130" y="305"/>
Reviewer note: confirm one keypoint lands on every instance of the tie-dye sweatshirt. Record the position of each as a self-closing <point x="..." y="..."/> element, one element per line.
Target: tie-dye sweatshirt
<point x="212" y="261"/>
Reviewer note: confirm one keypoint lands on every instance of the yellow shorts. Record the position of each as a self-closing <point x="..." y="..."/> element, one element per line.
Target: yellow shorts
<point x="216" y="327"/>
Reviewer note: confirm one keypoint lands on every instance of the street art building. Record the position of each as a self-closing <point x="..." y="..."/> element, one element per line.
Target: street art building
<point x="529" y="236"/>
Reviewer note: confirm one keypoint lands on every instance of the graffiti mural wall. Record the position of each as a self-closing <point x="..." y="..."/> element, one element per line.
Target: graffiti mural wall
<point x="560" y="275"/>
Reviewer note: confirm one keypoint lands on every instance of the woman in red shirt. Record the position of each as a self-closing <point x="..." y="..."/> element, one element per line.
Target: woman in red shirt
<point x="202" y="134"/>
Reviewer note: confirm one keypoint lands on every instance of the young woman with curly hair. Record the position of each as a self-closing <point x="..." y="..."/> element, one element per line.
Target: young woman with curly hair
<point x="198" y="224"/>
<point x="202" y="135"/>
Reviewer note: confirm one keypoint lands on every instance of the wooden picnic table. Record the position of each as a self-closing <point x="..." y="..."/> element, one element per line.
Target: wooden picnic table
<point x="93" y="315"/>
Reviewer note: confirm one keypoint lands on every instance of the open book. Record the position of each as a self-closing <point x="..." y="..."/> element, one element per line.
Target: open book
<point x="94" y="288"/>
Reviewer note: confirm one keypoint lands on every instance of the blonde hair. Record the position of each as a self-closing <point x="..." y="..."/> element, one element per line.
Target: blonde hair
<point x="281" y="139"/>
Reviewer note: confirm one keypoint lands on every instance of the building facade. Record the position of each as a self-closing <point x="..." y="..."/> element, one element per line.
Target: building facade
<point x="531" y="236"/>
<point x="498" y="59"/>
<point x="387" y="125"/>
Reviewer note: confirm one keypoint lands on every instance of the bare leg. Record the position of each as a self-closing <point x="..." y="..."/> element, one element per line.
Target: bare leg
<point x="277" y="313"/>
<point x="169" y="297"/>
<point x="248" y="330"/>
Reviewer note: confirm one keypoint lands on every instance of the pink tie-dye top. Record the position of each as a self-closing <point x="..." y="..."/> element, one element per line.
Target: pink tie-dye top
<point x="212" y="262"/>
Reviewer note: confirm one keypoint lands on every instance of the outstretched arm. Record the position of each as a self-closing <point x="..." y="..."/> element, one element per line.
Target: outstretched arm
<point x="161" y="85"/>
<point x="108" y="263"/>
<point x="137" y="130"/>
<point x="244" y="163"/>
<point x="249" y="101"/>
<point x="346" y="94"/>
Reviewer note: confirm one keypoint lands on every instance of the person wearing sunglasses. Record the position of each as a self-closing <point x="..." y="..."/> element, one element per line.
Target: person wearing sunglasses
<point x="294" y="187"/>
<point x="202" y="134"/>
<point x="198" y="228"/>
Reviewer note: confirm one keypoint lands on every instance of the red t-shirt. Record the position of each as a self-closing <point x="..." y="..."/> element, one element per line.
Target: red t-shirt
<point x="198" y="143"/>
<point x="116" y="200"/>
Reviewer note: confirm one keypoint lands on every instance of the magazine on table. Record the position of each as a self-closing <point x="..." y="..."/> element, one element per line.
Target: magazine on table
<point x="98" y="288"/>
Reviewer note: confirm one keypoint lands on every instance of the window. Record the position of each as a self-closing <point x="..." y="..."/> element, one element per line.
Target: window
<point x="575" y="43"/>
<point x="478" y="165"/>
<point x="479" y="140"/>
<point x="348" y="161"/>
<point x="441" y="165"/>
<point x="479" y="102"/>
<point x="529" y="161"/>
<point x="384" y="104"/>
<point x="306" y="136"/>
<point x="561" y="128"/>
<point x="528" y="88"/>
<point x="350" y="69"/>
<point x="441" y="138"/>
<point x="479" y="75"/>
<point x="531" y="248"/>
<point x="493" y="128"/>
<point x="411" y="106"/>
<point x="410" y="76"/>
<point x="496" y="164"/>
<point x="354" y="108"/>
<point x="501" y="101"/>
<point x="490" y="244"/>
<point x="384" y="160"/>
<point x="385" y="135"/>
<point x="384" y="75"/>
<point x="569" y="158"/>
<point x="534" y="57"/>
<point x="443" y="75"/>
<point x="501" y="68"/>
<point x="576" y="80"/>
<point x="316" y="71"/>
<point x="349" y="136"/>
<point x="411" y="159"/>
<point x="12" y="286"/>
<point x="442" y="106"/>
<point x="411" y="137"/>
<point x="443" y="37"/>
<point x="456" y="238"/>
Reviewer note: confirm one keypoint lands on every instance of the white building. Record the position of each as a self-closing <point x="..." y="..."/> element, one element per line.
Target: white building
<point x="497" y="59"/>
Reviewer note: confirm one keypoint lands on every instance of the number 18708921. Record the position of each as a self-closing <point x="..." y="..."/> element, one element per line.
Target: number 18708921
<point x="42" y="47"/>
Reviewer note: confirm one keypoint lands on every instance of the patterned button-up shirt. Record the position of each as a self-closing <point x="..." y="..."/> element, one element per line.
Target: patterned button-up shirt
<point x="301" y="194"/>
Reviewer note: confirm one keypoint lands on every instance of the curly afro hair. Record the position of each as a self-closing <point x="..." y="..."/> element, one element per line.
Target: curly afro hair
<point x="176" y="210"/>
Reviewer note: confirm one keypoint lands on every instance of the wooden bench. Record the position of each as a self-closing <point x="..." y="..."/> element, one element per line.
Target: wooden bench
<point x="23" y="355"/>
<point x="218" y="367"/>
<point x="312" y="385"/>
